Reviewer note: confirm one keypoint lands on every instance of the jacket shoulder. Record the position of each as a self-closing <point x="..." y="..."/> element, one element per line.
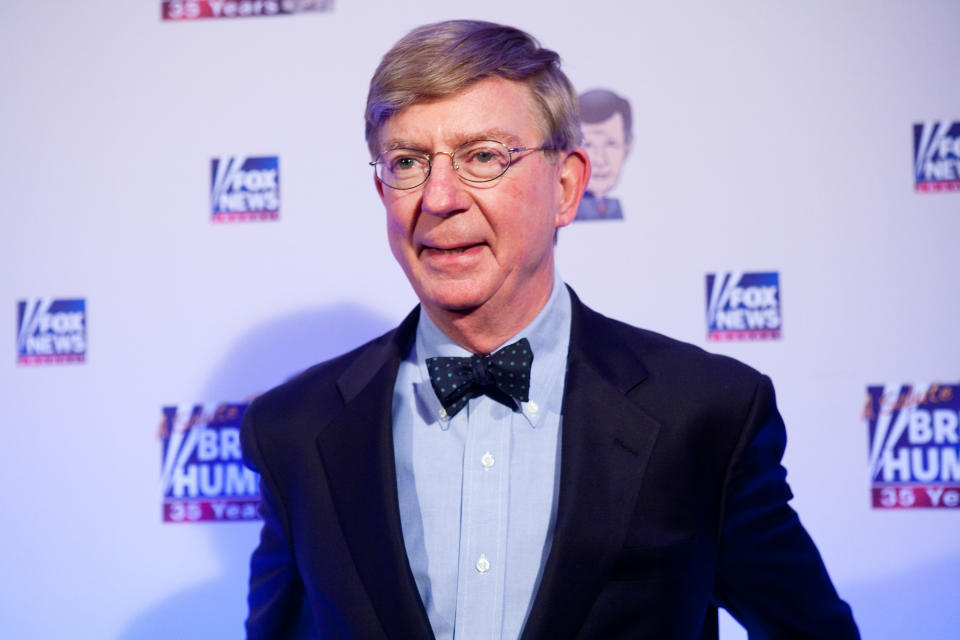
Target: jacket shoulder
<point x="663" y="358"/>
<point x="314" y="384"/>
<point x="692" y="393"/>
<point x="323" y="388"/>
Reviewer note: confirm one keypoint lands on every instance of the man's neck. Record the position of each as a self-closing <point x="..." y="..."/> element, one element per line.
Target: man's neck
<point x="485" y="328"/>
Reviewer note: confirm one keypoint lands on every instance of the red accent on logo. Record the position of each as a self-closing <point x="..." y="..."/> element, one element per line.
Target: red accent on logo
<point x="933" y="186"/>
<point x="916" y="496"/>
<point x="747" y="334"/>
<point x="246" y="216"/>
<point x="53" y="358"/>
<point x="195" y="9"/>
<point x="210" y="509"/>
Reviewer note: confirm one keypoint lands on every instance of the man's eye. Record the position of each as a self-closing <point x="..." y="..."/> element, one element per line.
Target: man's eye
<point x="404" y="163"/>
<point x="483" y="156"/>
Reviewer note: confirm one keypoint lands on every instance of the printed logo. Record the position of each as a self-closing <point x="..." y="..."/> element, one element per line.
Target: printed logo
<point x="202" y="475"/>
<point x="914" y="445"/>
<point x="936" y="156"/>
<point x="196" y="9"/>
<point x="743" y="306"/>
<point x="244" y="189"/>
<point x="51" y="331"/>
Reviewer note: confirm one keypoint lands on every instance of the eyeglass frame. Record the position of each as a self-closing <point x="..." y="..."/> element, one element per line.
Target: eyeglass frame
<point x="430" y="157"/>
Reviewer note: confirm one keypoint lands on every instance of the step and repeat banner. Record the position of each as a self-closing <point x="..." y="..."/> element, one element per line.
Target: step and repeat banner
<point x="190" y="220"/>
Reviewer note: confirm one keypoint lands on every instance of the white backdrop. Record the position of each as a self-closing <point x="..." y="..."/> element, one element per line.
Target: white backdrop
<point x="767" y="137"/>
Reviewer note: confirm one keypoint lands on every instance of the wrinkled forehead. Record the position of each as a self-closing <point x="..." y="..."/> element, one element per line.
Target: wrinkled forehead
<point x="454" y="139"/>
<point x="491" y="109"/>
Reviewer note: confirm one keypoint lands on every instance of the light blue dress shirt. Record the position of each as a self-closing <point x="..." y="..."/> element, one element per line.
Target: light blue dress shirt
<point x="478" y="492"/>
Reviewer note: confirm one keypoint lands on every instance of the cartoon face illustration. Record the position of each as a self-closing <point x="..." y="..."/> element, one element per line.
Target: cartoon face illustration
<point x="606" y="125"/>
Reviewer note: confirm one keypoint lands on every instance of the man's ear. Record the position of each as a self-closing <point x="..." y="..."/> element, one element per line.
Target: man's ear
<point x="574" y="177"/>
<point x="378" y="185"/>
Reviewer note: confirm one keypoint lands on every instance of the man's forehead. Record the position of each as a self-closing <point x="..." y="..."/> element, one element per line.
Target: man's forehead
<point x="413" y="140"/>
<point x="492" y="109"/>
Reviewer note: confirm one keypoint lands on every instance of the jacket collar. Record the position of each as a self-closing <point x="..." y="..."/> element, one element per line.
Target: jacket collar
<point x="356" y="447"/>
<point x="606" y="442"/>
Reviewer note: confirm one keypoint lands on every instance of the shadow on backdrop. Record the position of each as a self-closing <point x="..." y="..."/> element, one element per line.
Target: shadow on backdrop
<point x="259" y="360"/>
<point x="914" y="604"/>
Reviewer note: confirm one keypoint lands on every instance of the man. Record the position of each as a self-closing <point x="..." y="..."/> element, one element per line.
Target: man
<point x="606" y="123"/>
<point x="441" y="481"/>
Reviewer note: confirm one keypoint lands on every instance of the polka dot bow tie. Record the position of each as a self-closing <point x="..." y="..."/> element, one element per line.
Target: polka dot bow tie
<point x="503" y="375"/>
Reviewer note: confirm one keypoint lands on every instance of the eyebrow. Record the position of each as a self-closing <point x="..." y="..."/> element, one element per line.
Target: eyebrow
<point x="498" y="135"/>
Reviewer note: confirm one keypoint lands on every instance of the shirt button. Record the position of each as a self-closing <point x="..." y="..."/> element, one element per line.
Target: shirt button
<point x="443" y="413"/>
<point x="532" y="407"/>
<point x="487" y="461"/>
<point x="483" y="565"/>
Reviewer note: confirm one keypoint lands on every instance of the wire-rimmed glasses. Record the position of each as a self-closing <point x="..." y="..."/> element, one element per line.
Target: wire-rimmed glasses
<point x="474" y="161"/>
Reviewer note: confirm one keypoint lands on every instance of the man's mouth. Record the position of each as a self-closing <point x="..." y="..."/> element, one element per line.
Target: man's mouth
<point x="451" y="251"/>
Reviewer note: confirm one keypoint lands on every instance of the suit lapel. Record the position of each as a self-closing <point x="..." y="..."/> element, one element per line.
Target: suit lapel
<point x="356" y="447"/>
<point x="606" y="442"/>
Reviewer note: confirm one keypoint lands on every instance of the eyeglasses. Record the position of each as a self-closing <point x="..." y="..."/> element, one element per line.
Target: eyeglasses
<point x="475" y="161"/>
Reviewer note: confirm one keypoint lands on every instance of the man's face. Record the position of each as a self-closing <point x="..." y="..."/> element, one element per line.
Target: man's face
<point x="607" y="147"/>
<point x="463" y="245"/>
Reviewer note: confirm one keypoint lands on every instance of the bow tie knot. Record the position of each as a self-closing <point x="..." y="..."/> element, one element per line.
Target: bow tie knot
<point x="503" y="375"/>
<point x="481" y="373"/>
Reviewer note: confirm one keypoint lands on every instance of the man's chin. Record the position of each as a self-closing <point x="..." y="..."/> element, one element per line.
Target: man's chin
<point x="452" y="304"/>
<point x="456" y="307"/>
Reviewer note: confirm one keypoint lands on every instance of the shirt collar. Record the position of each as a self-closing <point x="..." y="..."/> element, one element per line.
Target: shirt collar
<point x="549" y="336"/>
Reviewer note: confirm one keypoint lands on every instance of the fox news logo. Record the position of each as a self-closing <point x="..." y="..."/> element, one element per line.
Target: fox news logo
<point x="743" y="306"/>
<point x="202" y="475"/>
<point x="51" y="331"/>
<point x="936" y="156"/>
<point x="244" y="189"/>
<point x="914" y="445"/>
<point x="195" y="9"/>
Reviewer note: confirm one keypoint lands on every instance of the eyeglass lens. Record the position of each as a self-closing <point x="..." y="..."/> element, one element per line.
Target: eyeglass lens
<point x="476" y="161"/>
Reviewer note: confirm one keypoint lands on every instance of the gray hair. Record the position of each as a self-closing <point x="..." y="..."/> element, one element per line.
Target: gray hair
<point x="438" y="60"/>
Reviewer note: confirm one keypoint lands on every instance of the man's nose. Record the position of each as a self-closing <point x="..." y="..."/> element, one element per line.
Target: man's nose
<point x="443" y="190"/>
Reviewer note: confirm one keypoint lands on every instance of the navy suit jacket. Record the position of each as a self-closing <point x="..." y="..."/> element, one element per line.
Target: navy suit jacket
<point x="672" y="501"/>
